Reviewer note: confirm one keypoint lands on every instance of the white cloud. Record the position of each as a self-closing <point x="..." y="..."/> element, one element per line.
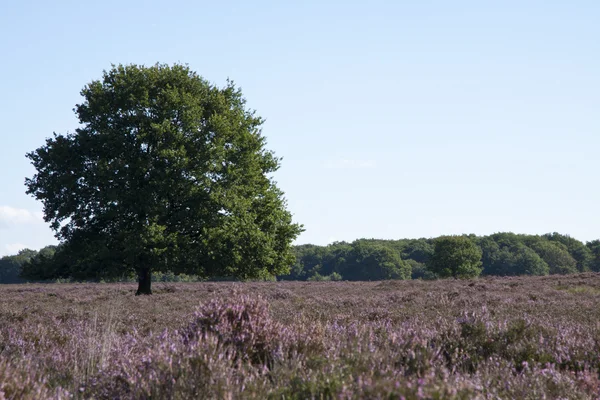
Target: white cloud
<point x="350" y="164"/>
<point x="12" y="249"/>
<point x="11" y="215"/>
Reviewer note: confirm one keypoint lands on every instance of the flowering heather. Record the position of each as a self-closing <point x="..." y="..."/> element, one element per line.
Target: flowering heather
<point x="525" y="338"/>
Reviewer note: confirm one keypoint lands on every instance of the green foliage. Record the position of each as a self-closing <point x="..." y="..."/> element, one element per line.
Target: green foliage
<point x="43" y="268"/>
<point x="579" y="251"/>
<point x="420" y="250"/>
<point x="510" y="259"/>
<point x="320" y="278"/>
<point x="556" y="255"/>
<point x="171" y="277"/>
<point x="594" y="247"/>
<point x="10" y="270"/>
<point x="317" y="277"/>
<point x="335" y="277"/>
<point x="166" y="172"/>
<point x="420" y="271"/>
<point x="324" y="260"/>
<point x="374" y="262"/>
<point x="503" y="254"/>
<point x="361" y="260"/>
<point x="15" y="268"/>
<point x="10" y="266"/>
<point x="456" y="256"/>
<point x="528" y="262"/>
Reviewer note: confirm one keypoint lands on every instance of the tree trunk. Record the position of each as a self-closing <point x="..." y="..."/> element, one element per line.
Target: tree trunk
<point x="144" y="282"/>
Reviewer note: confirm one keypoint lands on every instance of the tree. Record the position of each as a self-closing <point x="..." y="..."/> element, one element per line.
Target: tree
<point x="310" y="260"/>
<point x="579" y="251"/>
<point x="17" y="268"/>
<point x="11" y="266"/>
<point x="594" y="247"/>
<point x="10" y="270"/>
<point x="419" y="250"/>
<point x="47" y="264"/>
<point x="368" y="261"/>
<point x="455" y="256"/>
<point x="419" y="270"/>
<point x="528" y="262"/>
<point x="505" y="254"/>
<point x="167" y="172"/>
<point x="556" y="255"/>
<point x="511" y="260"/>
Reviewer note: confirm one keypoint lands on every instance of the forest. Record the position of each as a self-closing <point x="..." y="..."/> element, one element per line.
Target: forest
<point x="499" y="254"/>
<point x="502" y="254"/>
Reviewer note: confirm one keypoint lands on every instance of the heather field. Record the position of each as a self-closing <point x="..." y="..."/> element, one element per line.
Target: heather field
<point x="523" y="338"/>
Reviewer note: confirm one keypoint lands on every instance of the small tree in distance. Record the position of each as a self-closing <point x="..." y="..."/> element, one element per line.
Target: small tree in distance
<point x="455" y="256"/>
<point x="166" y="173"/>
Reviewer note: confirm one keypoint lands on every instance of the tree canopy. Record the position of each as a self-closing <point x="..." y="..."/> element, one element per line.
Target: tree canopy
<point x="367" y="261"/>
<point x="455" y="256"/>
<point x="11" y="266"/>
<point x="503" y="254"/>
<point x="166" y="172"/>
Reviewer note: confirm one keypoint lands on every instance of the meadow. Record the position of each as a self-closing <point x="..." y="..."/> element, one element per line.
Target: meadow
<point x="488" y="338"/>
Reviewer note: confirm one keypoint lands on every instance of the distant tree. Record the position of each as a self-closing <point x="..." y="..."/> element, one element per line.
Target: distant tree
<point x="325" y="278"/>
<point x="44" y="265"/>
<point x="420" y="270"/>
<point x="368" y="261"/>
<point x="336" y="257"/>
<point x="419" y="250"/>
<point x="322" y="260"/>
<point x="11" y="266"/>
<point x="166" y="172"/>
<point x="503" y="254"/>
<point x="455" y="256"/>
<point x="528" y="262"/>
<point x="579" y="251"/>
<point x="10" y="270"/>
<point x="335" y="277"/>
<point x="490" y="255"/>
<point x="594" y="247"/>
<point x="556" y="255"/>
<point x="507" y="239"/>
<point x="308" y="257"/>
<point x="510" y="259"/>
<point x="317" y="277"/>
<point x="15" y="268"/>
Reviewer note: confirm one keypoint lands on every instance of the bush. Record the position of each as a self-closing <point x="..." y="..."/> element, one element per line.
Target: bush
<point x="321" y="278"/>
<point x="245" y="326"/>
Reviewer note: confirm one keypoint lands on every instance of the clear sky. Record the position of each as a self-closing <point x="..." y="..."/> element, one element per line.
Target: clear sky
<point x="394" y="118"/>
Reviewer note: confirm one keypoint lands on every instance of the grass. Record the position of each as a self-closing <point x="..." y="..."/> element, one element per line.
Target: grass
<point x="526" y="337"/>
<point x="588" y="290"/>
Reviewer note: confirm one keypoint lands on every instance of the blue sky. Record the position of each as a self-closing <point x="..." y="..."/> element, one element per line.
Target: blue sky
<point x="394" y="118"/>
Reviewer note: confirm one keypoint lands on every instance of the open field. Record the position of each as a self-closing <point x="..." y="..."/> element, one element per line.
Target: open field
<point x="536" y="337"/>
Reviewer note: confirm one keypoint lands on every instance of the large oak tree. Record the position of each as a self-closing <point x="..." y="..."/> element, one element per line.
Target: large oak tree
<point x="165" y="172"/>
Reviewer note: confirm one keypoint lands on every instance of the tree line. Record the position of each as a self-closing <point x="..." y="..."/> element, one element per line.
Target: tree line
<point x="466" y="256"/>
<point x="499" y="254"/>
<point x="45" y="265"/>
